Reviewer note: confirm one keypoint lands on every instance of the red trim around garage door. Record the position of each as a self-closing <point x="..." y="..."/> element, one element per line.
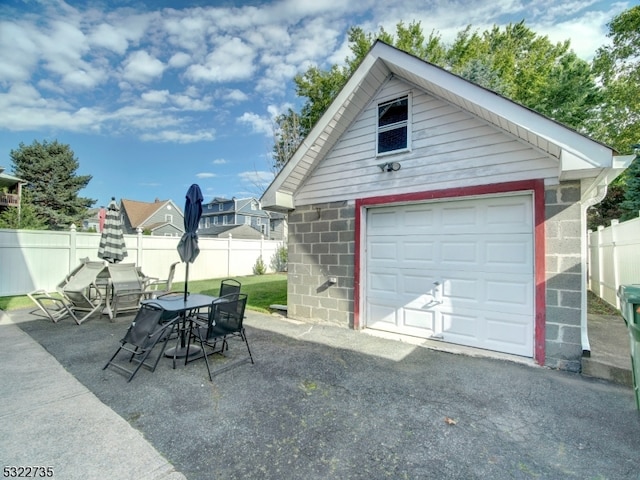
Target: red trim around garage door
<point x="535" y="186"/>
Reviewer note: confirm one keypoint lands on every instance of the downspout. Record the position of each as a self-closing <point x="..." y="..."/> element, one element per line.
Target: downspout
<point x="584" y="253"/>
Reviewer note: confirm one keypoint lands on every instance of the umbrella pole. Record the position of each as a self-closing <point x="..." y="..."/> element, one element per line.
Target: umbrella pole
<point x="186" y="282"/>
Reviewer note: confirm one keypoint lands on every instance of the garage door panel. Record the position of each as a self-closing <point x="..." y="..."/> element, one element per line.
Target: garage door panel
<point x="381" y="315"/>
<point x="460" y="327"/>
<point x="509" y="293"/>
<point x="512" y="254"/>
<point x="382" y="283"/>
<point x="423" y="320"/>
<point x="509" y="217"/>
<point x="509" y="335"/>
<point x="459" y="218"/>
<point x="417" y="284"/>
<point x="421" y="219"/>
<point x="381" y="250"/>
<point x="479" y="251"/>
<point x="422" y="252"/>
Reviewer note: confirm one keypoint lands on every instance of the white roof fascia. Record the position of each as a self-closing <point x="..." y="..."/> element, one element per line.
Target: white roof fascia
<point x="607" y="175"/>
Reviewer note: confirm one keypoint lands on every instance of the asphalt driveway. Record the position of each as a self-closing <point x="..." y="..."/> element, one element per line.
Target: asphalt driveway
<point x="326" y="402"/>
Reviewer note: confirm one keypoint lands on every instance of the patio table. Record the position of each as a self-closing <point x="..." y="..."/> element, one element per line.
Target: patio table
<point x="177" y="304"/>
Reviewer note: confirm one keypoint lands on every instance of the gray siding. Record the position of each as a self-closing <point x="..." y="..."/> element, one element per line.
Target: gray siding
<point x="449" y="148"/>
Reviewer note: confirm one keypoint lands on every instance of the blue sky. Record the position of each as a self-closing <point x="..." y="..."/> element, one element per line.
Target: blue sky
<point x="153" y="96"/>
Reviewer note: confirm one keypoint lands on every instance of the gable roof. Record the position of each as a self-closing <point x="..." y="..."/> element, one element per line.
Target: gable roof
<point x="139" y="213"/>
<point x="237" y="231"/>
<point x="578" y="156"/>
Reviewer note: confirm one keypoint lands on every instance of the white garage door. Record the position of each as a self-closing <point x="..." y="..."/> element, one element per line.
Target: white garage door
<point x="460" y="271"/>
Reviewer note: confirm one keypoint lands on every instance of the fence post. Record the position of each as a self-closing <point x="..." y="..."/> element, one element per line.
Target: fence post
<point x="72" y="247"/>
<point x="139" y="247"/>
<point x="600" y="260"/>
<point x="229" y="256"/>
<point x="614" y="254"/>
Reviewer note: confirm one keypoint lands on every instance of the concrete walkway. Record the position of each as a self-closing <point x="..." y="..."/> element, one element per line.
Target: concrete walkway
<point x="49" y="419"/>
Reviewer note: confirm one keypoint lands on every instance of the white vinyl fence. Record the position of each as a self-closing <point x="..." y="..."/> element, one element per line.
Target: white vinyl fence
<point x="614" y="259"/>
<point x="37" y="259"/>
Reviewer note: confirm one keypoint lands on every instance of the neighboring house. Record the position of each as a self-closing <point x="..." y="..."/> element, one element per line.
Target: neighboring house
<point x="223" y="212"/>
<point x="160" y="218"/>
<point x="10" y="191"/>
<point x="92" y="222"/>
<point x="236" y="231"/>
<point x="421" y="204"/>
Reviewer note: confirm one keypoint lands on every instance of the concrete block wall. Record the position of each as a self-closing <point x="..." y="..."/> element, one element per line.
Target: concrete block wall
<point x="321" y="247"/>
<point x="563" y="347"/>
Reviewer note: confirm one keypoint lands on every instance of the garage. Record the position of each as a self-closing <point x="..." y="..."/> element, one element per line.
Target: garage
<point x="460" y="271"/>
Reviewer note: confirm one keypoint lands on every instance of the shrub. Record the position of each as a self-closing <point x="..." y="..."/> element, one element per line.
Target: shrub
<point x="279" y="259"/>
<point x="259" y="268"/>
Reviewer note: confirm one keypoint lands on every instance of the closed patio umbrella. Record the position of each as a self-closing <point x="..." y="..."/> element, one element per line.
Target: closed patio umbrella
<point x="188" y="250"/>
<point x="188" y="245"/>
<point x="112" y="247"/>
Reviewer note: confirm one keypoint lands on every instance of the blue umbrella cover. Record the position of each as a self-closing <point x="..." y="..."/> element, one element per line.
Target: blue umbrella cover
<point x="188" y="245"/>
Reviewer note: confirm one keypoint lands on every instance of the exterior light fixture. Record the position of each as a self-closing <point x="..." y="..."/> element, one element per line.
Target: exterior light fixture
<point x="390" y="167"/>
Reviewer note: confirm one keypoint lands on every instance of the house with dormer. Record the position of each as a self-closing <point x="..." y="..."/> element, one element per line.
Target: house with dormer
<point x="159" y="218"/>
<point x="222" y="216"/>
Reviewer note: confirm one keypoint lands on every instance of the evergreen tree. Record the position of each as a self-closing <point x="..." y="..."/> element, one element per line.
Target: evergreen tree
<point x="50" y="170"/>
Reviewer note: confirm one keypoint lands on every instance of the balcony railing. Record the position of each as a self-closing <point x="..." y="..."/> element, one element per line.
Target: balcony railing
<point x="9" y="199"/>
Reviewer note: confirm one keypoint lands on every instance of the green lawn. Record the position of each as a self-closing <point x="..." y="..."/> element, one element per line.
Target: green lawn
<point x="262" y="291"/>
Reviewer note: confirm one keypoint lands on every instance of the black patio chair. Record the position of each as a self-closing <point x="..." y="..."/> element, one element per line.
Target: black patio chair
<point x="149" y="327"/>
<point x="224" y="323"/>
<point x="229" y="286"/>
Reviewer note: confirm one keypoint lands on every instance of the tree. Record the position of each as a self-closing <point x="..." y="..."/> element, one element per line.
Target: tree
<point x="617" y="122"/>
<point x="608" y="209"/>
<point x="630" y="206"/>
<point x="288" y="133"/>
<point x="23" y="218"/>
<point x="50" y="170"/>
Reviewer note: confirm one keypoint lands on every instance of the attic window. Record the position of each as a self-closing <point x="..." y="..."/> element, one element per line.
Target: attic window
<point x="393" y="125"/>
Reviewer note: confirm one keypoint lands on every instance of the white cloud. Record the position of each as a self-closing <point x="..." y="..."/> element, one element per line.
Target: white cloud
<point x="18" y="52"/>
<point x="261" y="178"/>
<point x="219" y="161"/>
<point x="179" y="60"/>
<point x="206" y="175"/>
<point x="231" y="60"/>
<point x="174" y="136"/>
<point x="141" y="67"/>
<point x="236" y="95"/>
<point x="156" y="96"/>
<point x="257" y="123"/>
<point x="80" y="68"/>
<point x="109" y="37"/>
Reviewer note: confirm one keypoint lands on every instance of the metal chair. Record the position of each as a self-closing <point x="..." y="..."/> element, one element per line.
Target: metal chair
<point x="149" y="327"/>
<point x="127" y="288"/>
<point x="78" y="293"/>
<point x="224" y="323"/>
<point x="156" y="287"/>
<point x="229" y="286"/>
